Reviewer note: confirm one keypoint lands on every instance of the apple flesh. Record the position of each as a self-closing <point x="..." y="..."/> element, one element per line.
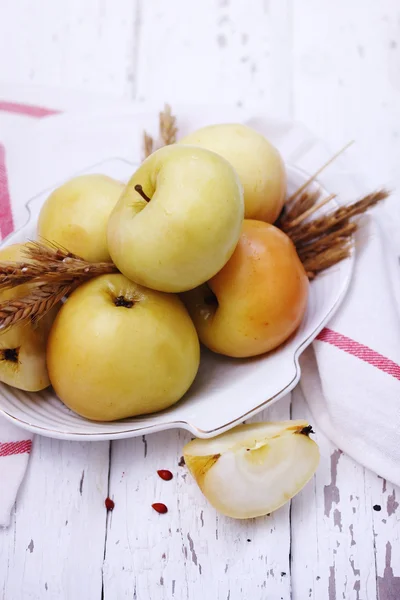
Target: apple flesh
<point x="178" y="220"/>
<point x="257" y="300"/>
<point x="75" y="215"/>
<point x="253" y="469"/>
<point x="257" y="162"/>
<point x="117" y="350"/>
<point x="23" y="347"/>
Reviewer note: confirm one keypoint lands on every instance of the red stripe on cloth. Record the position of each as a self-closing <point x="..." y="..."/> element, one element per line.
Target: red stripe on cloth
<point x="11" y="448"/>
<point x="6" y="219"/>
<point x="27" y="109"/>
<point x="360" y="351"/>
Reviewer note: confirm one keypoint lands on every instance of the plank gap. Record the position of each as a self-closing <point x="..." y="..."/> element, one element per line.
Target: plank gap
<point x="108" y="513"/>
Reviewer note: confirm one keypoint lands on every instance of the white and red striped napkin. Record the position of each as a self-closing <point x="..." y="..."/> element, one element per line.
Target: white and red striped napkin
<point x="15" y="443"/>
<point x="351" y="375"/>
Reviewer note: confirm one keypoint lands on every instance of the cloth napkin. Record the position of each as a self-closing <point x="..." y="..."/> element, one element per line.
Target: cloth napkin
<point x="351" y="374"/>
<point x="15" y="443"/>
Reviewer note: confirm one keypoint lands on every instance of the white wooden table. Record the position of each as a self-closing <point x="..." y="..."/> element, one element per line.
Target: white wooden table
<point x="336" y="67"/>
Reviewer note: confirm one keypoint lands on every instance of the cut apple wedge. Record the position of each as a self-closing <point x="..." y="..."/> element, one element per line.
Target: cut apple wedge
<point x="253" y="469"/>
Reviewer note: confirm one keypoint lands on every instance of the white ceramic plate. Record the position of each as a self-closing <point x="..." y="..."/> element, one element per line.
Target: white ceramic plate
<point x="225" y="392"/>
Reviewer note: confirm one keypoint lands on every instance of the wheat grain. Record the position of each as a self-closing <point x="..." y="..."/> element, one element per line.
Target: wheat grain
<point x="33" y="306"/>
<point x="167" y="126"/>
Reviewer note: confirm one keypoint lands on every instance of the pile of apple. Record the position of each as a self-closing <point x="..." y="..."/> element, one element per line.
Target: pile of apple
<point x="199" y="258"/>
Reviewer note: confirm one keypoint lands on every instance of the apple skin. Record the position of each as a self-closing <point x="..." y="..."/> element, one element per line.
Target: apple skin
<point x="75" y="215"/>
<point x="23" y="347"/>
<point x="188" y="230"/>
<point x="108" y="361"/>
<point x="261" y="292"/>
<point x="257" y="162"/>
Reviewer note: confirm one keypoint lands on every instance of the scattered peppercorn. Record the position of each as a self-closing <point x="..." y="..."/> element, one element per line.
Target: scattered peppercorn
<point x="181" y="462"/>
<point x="248" y="540"/>
<point x="160" y="507"/>
<point x="109" y="504"/>
<point x="165" y="474"/>
<point x="377" y="507"/>
<point x="283" y="573"/>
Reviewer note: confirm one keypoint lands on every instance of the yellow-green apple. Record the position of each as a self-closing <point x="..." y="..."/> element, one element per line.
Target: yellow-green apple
<point x="257" y="300"/>
<point x="257" y="162"/>
<point x="117" y="349"/>
<point x="23" y="346"/>
<point x="253" y="469"/>
<point x="178" y="220"/>
<point x="75" y="215"/>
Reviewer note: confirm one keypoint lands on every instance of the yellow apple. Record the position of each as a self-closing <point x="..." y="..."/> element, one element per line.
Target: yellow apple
<point x="178" y="220"/>
<point x="117" y="350"/>
<point x="253" y="469"/>
<point x="257" y="300"/>
<point x="23" y="347"/>
<point x="257" y="162"/>
<point x="75" y="215"/>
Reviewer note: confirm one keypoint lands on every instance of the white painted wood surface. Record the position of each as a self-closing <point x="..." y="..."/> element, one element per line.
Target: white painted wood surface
<point x="334" y="66"/>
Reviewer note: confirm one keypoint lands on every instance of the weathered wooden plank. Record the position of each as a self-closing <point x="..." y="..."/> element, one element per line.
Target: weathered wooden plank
<point x="90" y="46"/>
<point x="332" y="538"/>
<point x="385" y="498"/>
<point x="54" y="547"/>
<point x="347" y="79"/>
<point x="216" y="52"/>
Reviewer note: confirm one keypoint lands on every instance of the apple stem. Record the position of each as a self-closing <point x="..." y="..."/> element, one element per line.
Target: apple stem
<point x="140" y="191"/>
<point x="10" y="354"/>
<point x="122" y="301"/>
<point x="307" y="430"/>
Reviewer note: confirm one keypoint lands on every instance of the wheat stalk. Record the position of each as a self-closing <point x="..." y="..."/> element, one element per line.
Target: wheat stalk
<point x="315" y="175"/>
<point x="47" y="250"/>
<point x="307" y="213"/>
<point x="167" y="126"/>
<point x="52" y="272"/>
<point x="307" y="231"/>
<point x="167" y="130"/>
<point x="33" y="306"/>
<point x="304" y="202"/>
<point x="12" y="274"/>
<point x="327" y="258"/>
<point x="50" y="263"/>
<point x="148" y="145"/>
<point x="326" y="241"/>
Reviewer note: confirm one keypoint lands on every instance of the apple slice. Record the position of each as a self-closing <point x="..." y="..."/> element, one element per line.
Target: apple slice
<point x="253" y="469"/>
